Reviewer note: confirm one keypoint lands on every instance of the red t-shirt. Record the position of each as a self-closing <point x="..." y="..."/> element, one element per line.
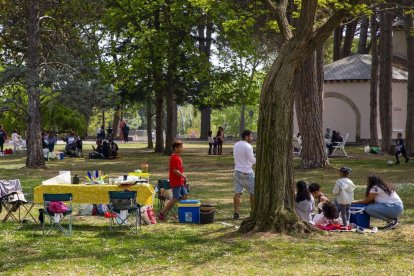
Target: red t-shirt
<point x="176" y="163"/>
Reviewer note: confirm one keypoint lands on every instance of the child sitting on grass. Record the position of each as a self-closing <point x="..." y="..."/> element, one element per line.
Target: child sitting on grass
<point x="315" y="190"/>
<point x="344" y="191"/>
<point x="303" y="201"/>
<point x="328" y="216"/>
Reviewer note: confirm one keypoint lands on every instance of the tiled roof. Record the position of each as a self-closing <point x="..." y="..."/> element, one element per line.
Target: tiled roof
<point x="357" y="67"/>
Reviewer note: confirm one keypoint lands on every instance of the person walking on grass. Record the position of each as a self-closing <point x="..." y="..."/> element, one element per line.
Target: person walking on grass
<point x="177" y="179"/>
<point x="400" y="149"/>
<point x="243" y="171"/>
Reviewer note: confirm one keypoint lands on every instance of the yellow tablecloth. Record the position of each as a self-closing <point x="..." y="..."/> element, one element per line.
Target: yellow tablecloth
<point x="93" y="193"/>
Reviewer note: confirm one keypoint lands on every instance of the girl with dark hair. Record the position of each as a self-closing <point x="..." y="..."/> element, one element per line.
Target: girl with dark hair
<point x="386" y="204"/>
<point x="329" y="214"/>
<point x="220" y="140"/>
<point x="303" y="201"/>
<point x="344" y="192"/>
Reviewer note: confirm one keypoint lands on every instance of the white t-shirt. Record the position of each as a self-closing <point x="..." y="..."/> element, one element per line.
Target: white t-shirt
<point x="210" y="139"/>
<point x="383" y="197"/>
<point x="243" y="157"/>
<point x="15" y="136"/>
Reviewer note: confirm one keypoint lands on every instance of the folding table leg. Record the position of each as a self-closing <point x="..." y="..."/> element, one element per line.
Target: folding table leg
<point x="27" y="210"/>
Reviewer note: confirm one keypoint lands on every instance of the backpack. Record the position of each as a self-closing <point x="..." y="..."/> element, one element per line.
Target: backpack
<point x="57" y="207"/>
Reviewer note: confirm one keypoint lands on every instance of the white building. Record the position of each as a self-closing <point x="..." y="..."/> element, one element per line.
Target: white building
<point x="347" y="93"/>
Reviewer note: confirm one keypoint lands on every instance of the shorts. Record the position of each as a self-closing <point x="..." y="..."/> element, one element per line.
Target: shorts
<point x="243" y="180"/>
<point x="178" y="192"/>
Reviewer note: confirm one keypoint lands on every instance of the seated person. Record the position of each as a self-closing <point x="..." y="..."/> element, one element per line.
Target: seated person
<point x="329" y="215"/>
<point x="336" y="139"/>
<point x="98" y="151"/>
<point x="315" y="190"/>
<point x="114" y="148"/>
<point x="303" y="202"/>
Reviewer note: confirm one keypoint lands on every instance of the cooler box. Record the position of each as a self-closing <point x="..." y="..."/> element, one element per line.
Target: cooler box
<point x="189" y="211"/>
<point x="358" y="216"/>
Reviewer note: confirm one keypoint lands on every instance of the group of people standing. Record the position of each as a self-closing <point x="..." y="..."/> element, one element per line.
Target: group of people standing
<point x="123" y="131"/>
<point x="15" y="138"/>
<point x="382" y="201"/>
<point x="215" y="144"/>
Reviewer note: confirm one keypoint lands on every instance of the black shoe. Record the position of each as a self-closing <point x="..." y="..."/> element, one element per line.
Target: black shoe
<point x="236" y="216"/>
<point x="391" y="225"/>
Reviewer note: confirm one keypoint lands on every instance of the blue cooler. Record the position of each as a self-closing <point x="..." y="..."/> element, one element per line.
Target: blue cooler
<point x="358" y="216"/>
<point x="189" y="211"/>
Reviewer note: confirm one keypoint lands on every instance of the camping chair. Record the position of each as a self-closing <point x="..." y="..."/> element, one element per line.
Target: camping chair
<point x="125" y="211"/>
<point x="57" y="218"/>
<point x="164" y="194"/>
<point x="16" y="202"/>
<point x="341" y="146"/>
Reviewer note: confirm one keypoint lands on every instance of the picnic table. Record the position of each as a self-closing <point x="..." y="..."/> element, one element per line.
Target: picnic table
<point x="94" y="193"/>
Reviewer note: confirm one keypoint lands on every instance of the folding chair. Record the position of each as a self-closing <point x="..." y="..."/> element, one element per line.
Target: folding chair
<point x="16" y="202"/>
<point x="164" y="188"/>
<point x="341" y="146"/>
<point x="125" y="211"/>
<point x="57" y="218"/>
<point x="297" y="146"/>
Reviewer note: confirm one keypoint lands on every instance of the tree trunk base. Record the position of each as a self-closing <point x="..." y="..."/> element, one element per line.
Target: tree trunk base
<point x="282" y="221"/>
<point x="311" y="164"/>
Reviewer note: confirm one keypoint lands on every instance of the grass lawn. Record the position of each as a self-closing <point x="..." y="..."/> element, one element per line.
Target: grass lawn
<point x="173" y="248"/>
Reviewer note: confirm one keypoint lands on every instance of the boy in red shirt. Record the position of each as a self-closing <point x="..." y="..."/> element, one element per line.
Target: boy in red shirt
<point x="177" y="179"/>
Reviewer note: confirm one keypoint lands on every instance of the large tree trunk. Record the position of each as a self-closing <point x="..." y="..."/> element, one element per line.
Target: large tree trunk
<point x="170" y="103"/>
<point x="309" y="108"/>
<point x="274" y="188"/>
<point x="337" y="43"/>
<point x="242" y="125"/>
<point x="363" y="36"/>
<point x="385" y="78"/>
<point x="205" y="122"/>
<point x="204" y="47"/>
<point x="34" y="130"/>
<point x="115" y="123"/>
<point x="409" y="128"/>
<point x="373" y="103"/>
<point x="150" y="144"/>
<point x="348" y="39"/>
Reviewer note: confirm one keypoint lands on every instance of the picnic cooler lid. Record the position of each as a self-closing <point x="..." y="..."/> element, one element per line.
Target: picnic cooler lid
<point x="189" y="203"/>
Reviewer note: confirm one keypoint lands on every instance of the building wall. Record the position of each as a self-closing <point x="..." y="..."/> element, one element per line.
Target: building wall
<point x="399" y="43"/>
<point x="339" y="112"/>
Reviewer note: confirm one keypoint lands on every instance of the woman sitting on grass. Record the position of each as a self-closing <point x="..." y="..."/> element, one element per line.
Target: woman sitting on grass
<point x="303" y="201"/>
<point x="386" y="204"/>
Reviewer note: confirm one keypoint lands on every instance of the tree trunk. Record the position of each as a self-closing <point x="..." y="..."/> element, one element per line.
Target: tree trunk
<point x="385" y="78"/>
<point x="409" y="128"/>
<point x="205" y="122"/>
<point x="373" y="116"/>
<point x="170" y="103"/>
<point x="348" y="39"/>
<point x="204" y="47"/>
<point x="115" y="123"/>
<point x="242" y="119"/>
<point x="149" y="122"/>
<point x="309" y="108"/>
<point x="337" y="43"/>
<point x="34" y="131"/>
<point x="363" y="36"/>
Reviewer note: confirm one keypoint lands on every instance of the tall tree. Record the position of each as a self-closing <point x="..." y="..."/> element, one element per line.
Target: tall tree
<point x="385" y="75"/>
<point x="349" y="38"/>
<point x="363" y="36"/>
<point x="373" y="102"/>
<point x="274" y="189"/>
<point x="409" y="32"/>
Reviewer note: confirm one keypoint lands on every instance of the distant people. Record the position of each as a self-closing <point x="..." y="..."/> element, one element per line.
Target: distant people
<point x="125" y="132"/>
<point x="320" y="198"/>
<point x="177" y="179"/>
<point x="51" y="141"/>
<point x="16" y="140"/>
<point x="114" y="148"/>
<point x="400" y="149"/>
<point x="335" y="140"/>
<point x="383" y="202"/>
<point x="344" y="192"/>
<point x="220" y="140"/>
<point x="328" y="133"/>
<point x="98" y="151"/>
<point x="243" y="171"/>
<point x="101" y="133"/>
<point x="304" y="201"/>
<point x="210" y="141"/>
<point x="215" y="146"/>
<point x="3" y="137"/>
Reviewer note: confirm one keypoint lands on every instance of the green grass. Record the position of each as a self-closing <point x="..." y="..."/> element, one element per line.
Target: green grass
<point x="173" y="248"/>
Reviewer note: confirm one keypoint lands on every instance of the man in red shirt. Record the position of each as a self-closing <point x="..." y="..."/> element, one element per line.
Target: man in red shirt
<point x="177" y="179"/>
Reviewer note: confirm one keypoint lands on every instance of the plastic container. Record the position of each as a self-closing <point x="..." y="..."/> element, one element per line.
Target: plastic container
<point x="207" y="213"/>
<point x="358" y="216"/>
<point x="189" y="211"/>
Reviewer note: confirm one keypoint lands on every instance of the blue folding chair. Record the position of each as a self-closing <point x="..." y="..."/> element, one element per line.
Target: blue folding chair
<point x="125" y="211"/>
<point x="57" y="218"/>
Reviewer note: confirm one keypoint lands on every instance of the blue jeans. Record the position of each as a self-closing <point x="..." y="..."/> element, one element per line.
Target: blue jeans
<point x="384" y="211"/>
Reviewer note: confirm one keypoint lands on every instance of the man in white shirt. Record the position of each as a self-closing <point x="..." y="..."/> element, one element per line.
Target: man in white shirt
<point x="243" y="171"/>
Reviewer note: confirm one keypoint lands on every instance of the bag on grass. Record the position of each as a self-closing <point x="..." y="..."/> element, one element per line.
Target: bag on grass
<point x="151" y="215"/>
<point x="57" y="207"/>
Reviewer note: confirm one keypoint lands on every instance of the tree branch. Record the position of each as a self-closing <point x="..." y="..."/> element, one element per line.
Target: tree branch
<point x="279" y="12"/>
